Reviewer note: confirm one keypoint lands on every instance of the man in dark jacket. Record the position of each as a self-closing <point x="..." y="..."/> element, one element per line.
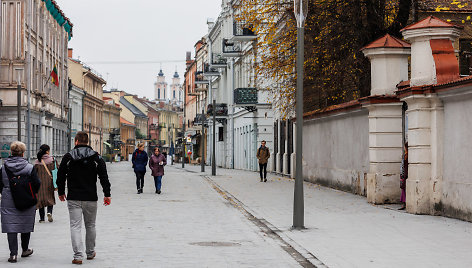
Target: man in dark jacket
<point x="263" y="155"/>
<point x="80" y="168"/>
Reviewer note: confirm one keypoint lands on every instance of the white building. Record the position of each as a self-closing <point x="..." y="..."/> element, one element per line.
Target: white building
<point x="249" y="120"/>
<point x="160" y="87"/>
<point x="76" y="98"/>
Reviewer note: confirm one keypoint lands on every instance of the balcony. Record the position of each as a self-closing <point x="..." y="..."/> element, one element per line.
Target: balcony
<point x="153" y="126"/>
<point x="209" y="71"/>
<point x="231" y="49"/>
<point x="201" y="88"/>
<point x="221" y="109"/>
<point x="199" y="120"/>
<point x="245" y="96"/>
<point x="243" y="32"/>
<point x="114" y="131"/>
<point x="200" y="78"/>
<point x="218" y="61"/>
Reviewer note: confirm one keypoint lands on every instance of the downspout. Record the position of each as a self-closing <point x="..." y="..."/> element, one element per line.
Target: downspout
<point x="232" y="113"/>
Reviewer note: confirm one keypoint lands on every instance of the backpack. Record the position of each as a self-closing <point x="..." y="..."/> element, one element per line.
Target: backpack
<point x="21" y="188"/>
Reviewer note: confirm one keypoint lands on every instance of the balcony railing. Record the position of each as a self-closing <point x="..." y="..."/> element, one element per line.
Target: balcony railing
<point x="218" y="61"/>
<point x="200" y="78"/>
<point x="243" y="32"/>
<point x="231" y="48"/>
<point x="221" y="109"/>
<point x="245" y="96"/>
<point x="209" y="71"/>
<point x="199" y="119"/>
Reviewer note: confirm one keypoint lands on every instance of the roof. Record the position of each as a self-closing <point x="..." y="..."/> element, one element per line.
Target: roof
<point x="125" y="122"/>
<point x="131" y="107"/>
<point x="444" y="5"/>
<point x="176" y="75"/>
<point x="431" y="22"/>
<point x="161" y="73"/>
<point x="388" y="41"/>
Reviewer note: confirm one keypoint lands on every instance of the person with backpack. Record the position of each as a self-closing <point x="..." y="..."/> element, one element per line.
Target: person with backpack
<point x="45" y="165"/>
<point x="19" y="186"/>
<point x="79" y="169"/>
<point x="140" y="160"/>
<point x="156" y="164"/>
<point x="263" y="155"/>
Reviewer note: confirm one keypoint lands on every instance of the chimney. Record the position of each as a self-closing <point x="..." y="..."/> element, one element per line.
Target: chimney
<point x="433" y="60"/>
<point x="389" y="64"/>
<point x="69" y="52"/>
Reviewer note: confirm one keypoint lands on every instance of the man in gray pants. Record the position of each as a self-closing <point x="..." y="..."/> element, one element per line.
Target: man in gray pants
<point x="80" y="168"/>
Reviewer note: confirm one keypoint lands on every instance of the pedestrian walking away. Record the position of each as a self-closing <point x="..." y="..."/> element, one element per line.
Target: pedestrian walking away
<point x="263" y="155"/>
<point x="156" y="164"/>
<point x="19" y="186"/>
<point x="79" y="170"/>
<point x="139" y="160"/>
<point x="45" y="165"/>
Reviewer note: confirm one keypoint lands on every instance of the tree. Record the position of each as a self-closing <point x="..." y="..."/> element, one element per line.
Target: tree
<point x="335" y="69"/>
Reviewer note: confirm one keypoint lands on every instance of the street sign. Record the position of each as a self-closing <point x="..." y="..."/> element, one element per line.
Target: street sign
<point x="245" y="96"/>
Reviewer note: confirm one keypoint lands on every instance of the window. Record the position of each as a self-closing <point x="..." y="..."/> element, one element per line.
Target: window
<point x="220" y="134"/>
<point x="174" y="94"/>
<point x="465" y="56"/>
<point x="158" y="93"/>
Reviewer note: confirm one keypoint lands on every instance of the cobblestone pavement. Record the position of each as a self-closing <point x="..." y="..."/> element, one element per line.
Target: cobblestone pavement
<point x="188" y="225"/>
<point x="343" y="230"/>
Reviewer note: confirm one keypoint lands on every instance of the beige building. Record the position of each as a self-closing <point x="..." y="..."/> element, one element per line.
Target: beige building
<point x="32" y="42"/>
<point x="111" y="127"/>
<point x="92" y="83"/>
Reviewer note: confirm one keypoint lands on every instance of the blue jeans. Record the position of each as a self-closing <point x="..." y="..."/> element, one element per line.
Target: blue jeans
<point x="158" y="182"/>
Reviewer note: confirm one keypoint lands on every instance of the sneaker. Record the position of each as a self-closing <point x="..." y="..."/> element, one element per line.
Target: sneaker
<point x="50" y="219"/>
<point x="91" y="257"/>
<point x="139" y="191"/>
<point x="76" y="261"/>
<point x="158" y="191"/>
<point x="26" y="253"/>
<point x="262" y="180"/>
<point x="41" y="221"/>
<point x="12" y="258"/>
<point x="265" y="180"/>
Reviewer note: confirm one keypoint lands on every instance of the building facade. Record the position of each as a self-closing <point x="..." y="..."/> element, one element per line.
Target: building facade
<point x="92" y="83"/>
<point x="160" y="87"/>
<point x="32" y="42"/>
<point x="76" y="98"/>
<point x="111" y="128"/>
<point x="128" y="138"/>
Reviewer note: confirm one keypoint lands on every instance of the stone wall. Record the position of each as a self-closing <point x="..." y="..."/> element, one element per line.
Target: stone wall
<point x="336" y="150"/>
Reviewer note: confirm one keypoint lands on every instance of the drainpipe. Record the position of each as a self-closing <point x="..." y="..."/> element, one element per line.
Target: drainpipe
<point x="232" y="113"/>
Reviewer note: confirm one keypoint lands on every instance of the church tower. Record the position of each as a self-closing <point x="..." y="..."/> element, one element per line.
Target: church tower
<point x="160" y="87"/>
<point x="176" y="89"/>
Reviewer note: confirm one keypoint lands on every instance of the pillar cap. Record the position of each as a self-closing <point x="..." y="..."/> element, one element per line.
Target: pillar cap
<point x="387" y="45"/>
<point x="431" y="27"/>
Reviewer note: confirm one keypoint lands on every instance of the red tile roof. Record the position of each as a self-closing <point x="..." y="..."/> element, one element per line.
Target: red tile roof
<point x="124" y="121"/>
<point x="388" y="41"/>
<point x="430" y="22"/>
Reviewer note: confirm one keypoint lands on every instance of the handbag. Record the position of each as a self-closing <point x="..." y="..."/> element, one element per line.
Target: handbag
<point x="54" y="172"/>
<point x="21" y="188"/>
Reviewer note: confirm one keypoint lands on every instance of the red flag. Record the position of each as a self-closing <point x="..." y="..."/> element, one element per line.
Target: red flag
<point x="54" y="78"/>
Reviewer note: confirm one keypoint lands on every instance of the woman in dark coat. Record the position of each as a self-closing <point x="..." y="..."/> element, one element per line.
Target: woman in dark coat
<point x="46" y="191"/>
<point x="139" y="160"/>
<point x="13" y="220"/>
<point x="157" y="163"/>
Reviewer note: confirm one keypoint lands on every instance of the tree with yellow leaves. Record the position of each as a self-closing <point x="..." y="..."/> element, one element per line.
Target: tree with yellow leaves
<point x="335" y="31"/>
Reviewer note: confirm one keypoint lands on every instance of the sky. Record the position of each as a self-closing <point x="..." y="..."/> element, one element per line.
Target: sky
<point x="135" y="31"/>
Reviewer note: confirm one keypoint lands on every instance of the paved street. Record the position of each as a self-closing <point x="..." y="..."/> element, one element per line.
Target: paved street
<point x="189" y="225"/>
<point x="233" y="220"/>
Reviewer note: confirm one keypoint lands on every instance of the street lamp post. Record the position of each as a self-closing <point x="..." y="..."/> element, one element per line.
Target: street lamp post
<point x="18" y="99"/>
<point x="202" y="158"/>
<point x="300" y="10"/>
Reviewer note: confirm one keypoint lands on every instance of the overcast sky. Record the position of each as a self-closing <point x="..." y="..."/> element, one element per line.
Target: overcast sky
<point x="137" y="30"/>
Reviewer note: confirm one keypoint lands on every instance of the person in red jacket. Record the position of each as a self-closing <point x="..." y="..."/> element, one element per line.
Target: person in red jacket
<point x="156" y="164"/>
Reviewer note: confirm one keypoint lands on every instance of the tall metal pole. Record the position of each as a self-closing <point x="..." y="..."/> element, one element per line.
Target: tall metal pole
<point x="213" y="158"/>
<point x="18" y="101"/>
<point x="298" y="206"/>
<point x="202" y="160"/>
<point x="183" y="130"/>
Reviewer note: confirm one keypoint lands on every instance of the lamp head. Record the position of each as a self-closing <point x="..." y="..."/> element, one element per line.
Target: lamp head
<point x="300" y="8"/>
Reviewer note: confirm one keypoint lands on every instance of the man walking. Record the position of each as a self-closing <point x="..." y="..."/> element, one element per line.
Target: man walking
<point x="80" y="168"/>
<point x="263" y="155"/>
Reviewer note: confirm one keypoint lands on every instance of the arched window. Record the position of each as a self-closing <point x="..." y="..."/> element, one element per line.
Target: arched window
<point x="158" y="93"/>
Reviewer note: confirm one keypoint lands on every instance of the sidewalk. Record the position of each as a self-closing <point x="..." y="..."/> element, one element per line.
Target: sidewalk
<point x="343" y="230"/>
